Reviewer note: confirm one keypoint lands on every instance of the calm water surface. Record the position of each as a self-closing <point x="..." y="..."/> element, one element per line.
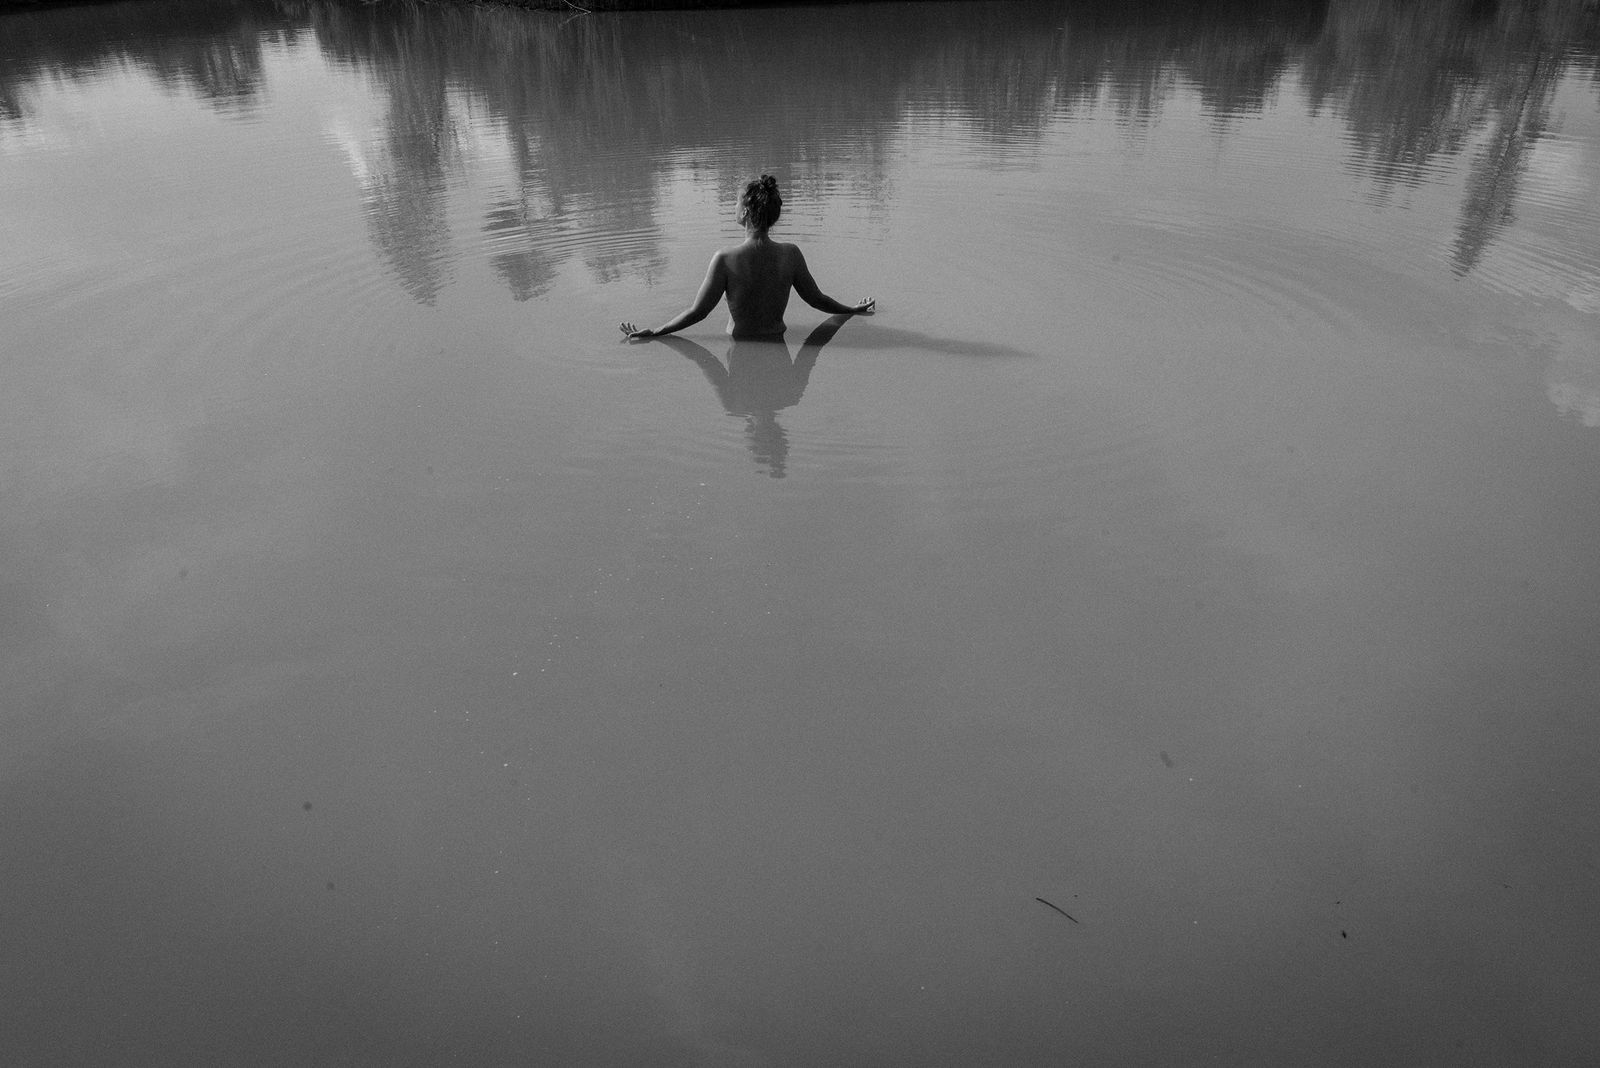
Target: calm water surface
<point x="1203" y="537"/>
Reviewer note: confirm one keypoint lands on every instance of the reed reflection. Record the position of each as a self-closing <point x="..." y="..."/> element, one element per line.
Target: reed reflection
<point x="759" y="380"/>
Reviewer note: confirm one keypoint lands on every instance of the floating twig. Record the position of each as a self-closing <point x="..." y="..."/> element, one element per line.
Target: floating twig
<point x="1059" y="909"/>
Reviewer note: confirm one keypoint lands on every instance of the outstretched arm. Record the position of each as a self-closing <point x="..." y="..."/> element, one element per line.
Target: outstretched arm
<point x="711" y="290"/>
<point x="806" y="286"/>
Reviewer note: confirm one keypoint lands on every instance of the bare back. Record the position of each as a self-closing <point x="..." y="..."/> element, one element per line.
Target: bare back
<point x="758" y="277"/>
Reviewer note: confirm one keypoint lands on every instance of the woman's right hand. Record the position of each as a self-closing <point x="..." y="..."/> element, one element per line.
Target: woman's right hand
<point x="635" y="334"/>
<point x="865" y="307"/>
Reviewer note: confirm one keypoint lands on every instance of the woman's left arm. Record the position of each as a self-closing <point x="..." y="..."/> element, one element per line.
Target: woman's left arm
<point x="806" y="286"/>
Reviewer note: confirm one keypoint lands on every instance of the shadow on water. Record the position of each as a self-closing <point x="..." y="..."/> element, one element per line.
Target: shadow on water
<point x="886" y="338"/>
<point x="590" y="111"/>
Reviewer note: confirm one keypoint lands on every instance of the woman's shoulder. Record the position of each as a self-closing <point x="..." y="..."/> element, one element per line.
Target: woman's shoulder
<point x="783" y="250"/>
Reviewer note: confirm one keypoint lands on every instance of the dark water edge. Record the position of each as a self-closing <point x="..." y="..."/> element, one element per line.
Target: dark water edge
<point x="1474" y="10"/>
<point x="641" y="5"/>
<point x="532" y="5"/>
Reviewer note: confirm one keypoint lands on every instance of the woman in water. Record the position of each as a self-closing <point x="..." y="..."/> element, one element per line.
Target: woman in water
<point x="756" y="276"/>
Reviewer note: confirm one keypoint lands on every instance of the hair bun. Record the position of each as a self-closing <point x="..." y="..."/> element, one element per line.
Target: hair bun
<point x="761" y="203"/>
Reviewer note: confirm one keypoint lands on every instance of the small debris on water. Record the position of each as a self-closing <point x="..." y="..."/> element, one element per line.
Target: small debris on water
<point x="1165" y="759"/>
<point x="306" y="806"/>
<point x="1058" y="908"/>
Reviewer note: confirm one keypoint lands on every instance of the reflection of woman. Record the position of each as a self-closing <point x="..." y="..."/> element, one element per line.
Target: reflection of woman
<point x="759" y="380"/>
<point x="756" y="276"/>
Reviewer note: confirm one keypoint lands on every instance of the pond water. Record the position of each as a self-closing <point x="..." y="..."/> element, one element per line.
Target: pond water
<point x="1202" y="538"/>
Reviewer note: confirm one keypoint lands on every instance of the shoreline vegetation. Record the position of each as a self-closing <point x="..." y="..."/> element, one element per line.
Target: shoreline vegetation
<point x="1591" y="7"/>
<point x="597" y="6"/>
<point x="590" y="6"/>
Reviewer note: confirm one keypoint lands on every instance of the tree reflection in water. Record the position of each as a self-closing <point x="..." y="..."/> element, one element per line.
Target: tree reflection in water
<point x="590" y="109"/>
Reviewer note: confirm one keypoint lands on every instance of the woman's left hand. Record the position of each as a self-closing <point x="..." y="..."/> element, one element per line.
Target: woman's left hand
<point x="635" y="334"/>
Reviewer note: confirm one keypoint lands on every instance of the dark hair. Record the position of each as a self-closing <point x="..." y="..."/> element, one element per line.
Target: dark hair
<point x="760" y="205"/>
